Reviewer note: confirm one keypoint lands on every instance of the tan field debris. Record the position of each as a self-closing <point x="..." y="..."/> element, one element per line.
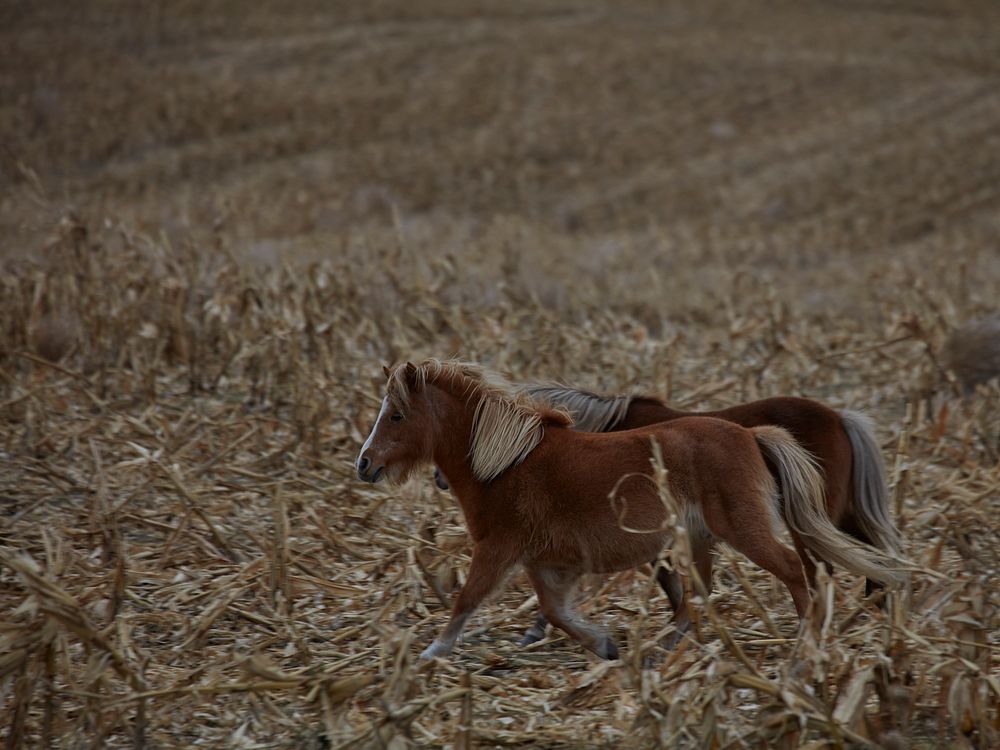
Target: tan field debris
<point x="708" y="202"/>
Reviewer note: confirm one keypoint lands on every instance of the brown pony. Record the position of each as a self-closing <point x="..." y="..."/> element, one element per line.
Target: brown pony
<point x="843" y="444"/>
<point x="535" y="492"/>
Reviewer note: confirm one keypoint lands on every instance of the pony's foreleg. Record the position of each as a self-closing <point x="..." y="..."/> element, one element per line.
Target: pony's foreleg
<point x="489" y="567"/>
<point x="703" y="559"/>
<point x="555" y="590"/>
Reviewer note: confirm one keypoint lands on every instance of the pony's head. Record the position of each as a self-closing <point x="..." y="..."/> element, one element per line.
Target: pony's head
<point x="403" y="435"/>
<point x="505" y="427"/>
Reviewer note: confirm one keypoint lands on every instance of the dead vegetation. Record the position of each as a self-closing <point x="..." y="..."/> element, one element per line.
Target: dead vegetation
<point x="188" y="557"/>
<point x="271" y="204"/>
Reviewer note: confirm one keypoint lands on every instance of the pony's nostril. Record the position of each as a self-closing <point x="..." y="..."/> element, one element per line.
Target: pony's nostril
<point x="363" y="464"/>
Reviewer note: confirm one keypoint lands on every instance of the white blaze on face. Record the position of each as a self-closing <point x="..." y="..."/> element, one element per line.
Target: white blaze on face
<point x="368" y="442"/>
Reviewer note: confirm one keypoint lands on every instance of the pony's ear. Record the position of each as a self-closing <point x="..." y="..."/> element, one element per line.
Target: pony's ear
<point x="386" y="371"/>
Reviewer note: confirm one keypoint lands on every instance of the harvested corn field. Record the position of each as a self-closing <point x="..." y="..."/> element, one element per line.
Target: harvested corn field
<point x="218" y="223"/>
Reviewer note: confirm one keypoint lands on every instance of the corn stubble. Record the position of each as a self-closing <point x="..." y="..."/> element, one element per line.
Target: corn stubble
<point x="708" y="202"/>
<point x="187" y="555"/>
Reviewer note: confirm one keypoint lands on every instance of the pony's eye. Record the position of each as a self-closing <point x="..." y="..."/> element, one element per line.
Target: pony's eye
<point x="397" y="417"/>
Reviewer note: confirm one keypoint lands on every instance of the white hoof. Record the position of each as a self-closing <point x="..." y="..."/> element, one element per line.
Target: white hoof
<point x="435" y="650"/>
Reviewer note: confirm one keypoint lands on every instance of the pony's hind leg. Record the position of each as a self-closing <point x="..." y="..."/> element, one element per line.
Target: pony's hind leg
<point x="744" y="517"/>
<point x="703" y="557"/>
<point x="854" y="529"/>
<point x="755" y="539"/>
<point x="671" y="584"/>
<point x="807" y="561"/>
<point x="555" y="590"/>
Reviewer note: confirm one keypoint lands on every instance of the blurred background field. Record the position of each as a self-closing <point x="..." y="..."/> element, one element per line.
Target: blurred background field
<point x="218" y="220"/>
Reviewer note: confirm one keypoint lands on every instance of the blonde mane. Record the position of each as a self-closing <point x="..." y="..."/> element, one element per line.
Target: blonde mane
<point x="506" y="424"/>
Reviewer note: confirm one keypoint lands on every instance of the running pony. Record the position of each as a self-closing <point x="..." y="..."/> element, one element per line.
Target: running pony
<point x="535" y="492"/>
<point x="842" y="442"/>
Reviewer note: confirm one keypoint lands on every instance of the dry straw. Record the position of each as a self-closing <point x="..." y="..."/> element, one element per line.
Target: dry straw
<point x="625" y="199"/>
<point x="187" y="557"/>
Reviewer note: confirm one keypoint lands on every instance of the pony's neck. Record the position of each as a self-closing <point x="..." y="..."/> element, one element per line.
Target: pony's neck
<point x="454" y="439"/>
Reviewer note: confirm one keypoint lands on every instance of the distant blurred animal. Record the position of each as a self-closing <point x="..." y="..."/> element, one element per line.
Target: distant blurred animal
<point x="972" y="352"/>
<point x="843" y="444"/>
<point x="536" y="493"/>
<point x="53" y="336"/>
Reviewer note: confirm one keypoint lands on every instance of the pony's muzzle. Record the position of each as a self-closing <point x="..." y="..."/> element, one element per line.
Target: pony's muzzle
<point x="365" y="472"/>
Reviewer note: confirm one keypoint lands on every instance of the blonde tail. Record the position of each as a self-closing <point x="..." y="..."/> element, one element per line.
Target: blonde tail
<point x="804" y="510"/>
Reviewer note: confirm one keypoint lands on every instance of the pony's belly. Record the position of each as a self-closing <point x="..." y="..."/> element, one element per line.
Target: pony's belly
<point x="627" y="553"/>
<point x="600" y="553"/>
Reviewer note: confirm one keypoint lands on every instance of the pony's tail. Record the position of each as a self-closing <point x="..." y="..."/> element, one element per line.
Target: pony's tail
<point x="804" y="510"/>
<point x="871" y="491"/>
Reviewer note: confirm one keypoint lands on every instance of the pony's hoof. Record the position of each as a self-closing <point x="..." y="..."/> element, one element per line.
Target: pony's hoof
<point x="876" y="595"/>
<point x="607" y="650"/>
<point x="435" y="650"/>
<point x="533" y="635"/>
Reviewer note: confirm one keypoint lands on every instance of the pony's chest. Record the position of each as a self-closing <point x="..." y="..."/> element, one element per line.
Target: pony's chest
<point x="484" y="517"/>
